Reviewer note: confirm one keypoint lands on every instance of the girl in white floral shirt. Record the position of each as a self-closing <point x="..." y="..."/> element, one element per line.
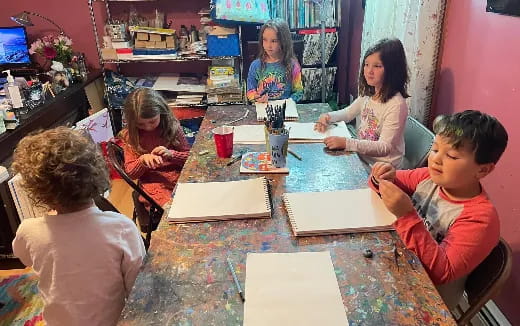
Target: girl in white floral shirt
<point x="381" y="107"/>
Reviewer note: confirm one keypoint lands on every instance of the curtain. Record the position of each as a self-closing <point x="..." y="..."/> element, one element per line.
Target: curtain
<point x="418" y="25"/>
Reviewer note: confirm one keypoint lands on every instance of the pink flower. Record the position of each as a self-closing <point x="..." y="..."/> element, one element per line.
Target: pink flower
<point x="228" y="4"/>
<point x="238" y="3"/>
<point x="248" y="5"/>
<point x="49" y="52"/>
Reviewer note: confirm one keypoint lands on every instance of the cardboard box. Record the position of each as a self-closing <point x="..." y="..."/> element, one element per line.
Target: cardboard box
<point x="155" y="37"/>
<point x="160" y="45"/>
<point x="142" y="36"/>
<point x="150" y="45"/>
<point x="221" y="30"/>
<point x="169" y="38"/>
<point x="170" y="44"/>
<point x="108" y="54"/>
<point x="140" y="44"/>
<point x="221" y="71"/>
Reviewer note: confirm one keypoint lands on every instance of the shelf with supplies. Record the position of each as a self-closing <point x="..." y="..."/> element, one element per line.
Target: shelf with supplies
<point x="157" y="60"/>
<point x="126" y="36"/>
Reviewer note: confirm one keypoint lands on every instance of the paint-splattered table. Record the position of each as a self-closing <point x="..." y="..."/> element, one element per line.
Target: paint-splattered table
<point x="186" y="281"/>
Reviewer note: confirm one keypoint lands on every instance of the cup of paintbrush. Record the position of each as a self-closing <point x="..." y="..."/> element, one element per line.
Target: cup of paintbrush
<point x="278" y="143"/>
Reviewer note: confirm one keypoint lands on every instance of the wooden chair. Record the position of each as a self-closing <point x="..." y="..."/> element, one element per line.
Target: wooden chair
<point x="153" y="216"/>
<point x="418" y="141"/>
<point x="486" y="281"/>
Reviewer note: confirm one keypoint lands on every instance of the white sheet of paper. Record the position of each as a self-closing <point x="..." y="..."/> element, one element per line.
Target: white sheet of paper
<point x="292" y="289"/>
<point x="300" y="132"/>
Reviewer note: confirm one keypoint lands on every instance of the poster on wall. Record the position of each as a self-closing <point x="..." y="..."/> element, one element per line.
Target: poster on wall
<point x="504" y="7"/>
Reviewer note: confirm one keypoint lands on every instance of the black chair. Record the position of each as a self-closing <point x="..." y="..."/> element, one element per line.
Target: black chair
<point x="152" y="216"/>
<point x="486" y="281"/>
<point x="104" y="204"/>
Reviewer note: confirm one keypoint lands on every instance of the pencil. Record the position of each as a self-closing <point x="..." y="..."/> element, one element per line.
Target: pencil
<point x="239" y="289"/>
<point x="294" y="154"/>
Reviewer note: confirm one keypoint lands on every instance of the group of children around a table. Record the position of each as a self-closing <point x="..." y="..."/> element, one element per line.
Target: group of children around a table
<point x="87" y="260"/>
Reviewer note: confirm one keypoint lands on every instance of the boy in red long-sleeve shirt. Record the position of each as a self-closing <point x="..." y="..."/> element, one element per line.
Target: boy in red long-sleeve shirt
<point x="449" y="221"/>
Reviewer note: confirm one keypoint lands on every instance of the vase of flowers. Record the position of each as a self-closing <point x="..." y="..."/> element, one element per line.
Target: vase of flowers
<point x="53" y="48"/>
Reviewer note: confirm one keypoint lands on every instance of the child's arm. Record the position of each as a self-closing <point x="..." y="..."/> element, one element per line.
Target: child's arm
<point x="405" y="180"/>
<point x="20" y="249"/>
<point x="133" y="255"/>
<point x="134" y="167"/>
<point x="253" y="93"/>
<point x="468" y="241"/>
<point x="350" y="112"/>
<point x="175" y="156"/>
<point x="390" y="136"/>
<point x="297" y="87"/>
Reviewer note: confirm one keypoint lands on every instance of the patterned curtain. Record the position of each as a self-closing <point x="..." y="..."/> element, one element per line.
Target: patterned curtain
<point x="418" y="25"/>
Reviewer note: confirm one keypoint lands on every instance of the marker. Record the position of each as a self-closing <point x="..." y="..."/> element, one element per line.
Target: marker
<point x="239" y="289"/>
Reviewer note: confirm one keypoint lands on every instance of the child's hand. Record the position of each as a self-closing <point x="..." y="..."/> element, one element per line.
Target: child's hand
<point x="335" y="142"/>
<point x="162" y="151"/>
<point x="262" y="99"/>
<point x="396" y="200"/>
<point x="151" y="161"/>
<point x="383" y="171"/>
<point x="322" y="123"/>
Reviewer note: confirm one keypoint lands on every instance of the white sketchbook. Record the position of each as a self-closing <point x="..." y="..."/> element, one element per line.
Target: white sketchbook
<point x="214" y="201"/>
<point x="336" y="212"/>
<point x="292" y="289"/>
<point x="290" y="110"/>
<point x="24" y="205"/>
<point x="300" y="132"/>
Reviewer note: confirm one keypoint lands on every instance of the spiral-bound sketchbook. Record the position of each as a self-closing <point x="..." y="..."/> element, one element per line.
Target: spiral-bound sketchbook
<point x="290" y="109"/>
<point x="292" y="289"/>
<point x="336" y="212"/>
<point x="214" y="201"/>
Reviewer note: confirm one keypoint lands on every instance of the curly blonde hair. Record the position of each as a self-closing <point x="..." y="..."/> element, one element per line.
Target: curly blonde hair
<point x="61" y="167"/>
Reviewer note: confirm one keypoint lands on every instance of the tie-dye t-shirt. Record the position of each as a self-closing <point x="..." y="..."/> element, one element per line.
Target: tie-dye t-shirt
<point x="273" y="81"/>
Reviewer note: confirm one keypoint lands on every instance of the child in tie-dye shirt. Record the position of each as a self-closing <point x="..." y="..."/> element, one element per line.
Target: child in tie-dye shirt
<point x="276" y="74"/>
<point x="380" y="108"/>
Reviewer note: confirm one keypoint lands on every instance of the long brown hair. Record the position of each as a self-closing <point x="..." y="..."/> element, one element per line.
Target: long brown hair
<point x="146" y="103"/>
<point x="395" y="78"/>
<point x="286" y="45"/>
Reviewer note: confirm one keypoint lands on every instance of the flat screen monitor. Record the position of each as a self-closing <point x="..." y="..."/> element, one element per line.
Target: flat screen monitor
<point x="505" y="7"/>
<point x="13" y="47"/>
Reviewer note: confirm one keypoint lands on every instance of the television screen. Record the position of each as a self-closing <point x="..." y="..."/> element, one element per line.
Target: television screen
<point x="505" y="7"/>
<point x="13" y="46"/>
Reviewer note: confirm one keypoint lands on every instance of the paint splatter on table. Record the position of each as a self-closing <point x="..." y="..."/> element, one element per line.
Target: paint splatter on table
<point x="186" y="281"/>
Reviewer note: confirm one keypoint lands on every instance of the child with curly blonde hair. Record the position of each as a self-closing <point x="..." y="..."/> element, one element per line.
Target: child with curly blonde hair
<point x="87" y="260"/>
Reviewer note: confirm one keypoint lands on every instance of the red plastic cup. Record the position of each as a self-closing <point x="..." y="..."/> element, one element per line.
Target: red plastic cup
<point x="223" y="141"/>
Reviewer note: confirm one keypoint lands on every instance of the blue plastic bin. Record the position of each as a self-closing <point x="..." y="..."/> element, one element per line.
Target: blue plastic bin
<point x="223" y="45"/>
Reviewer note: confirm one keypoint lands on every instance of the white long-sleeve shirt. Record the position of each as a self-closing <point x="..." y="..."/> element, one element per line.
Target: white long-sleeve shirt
<point x="87" y="262"/>
<point x="380" y="128"/>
